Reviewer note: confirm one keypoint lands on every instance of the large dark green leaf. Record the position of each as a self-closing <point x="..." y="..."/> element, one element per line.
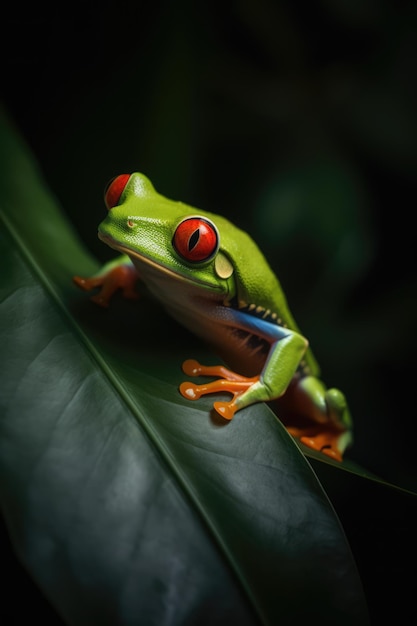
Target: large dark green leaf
<point x="126" y="503"/>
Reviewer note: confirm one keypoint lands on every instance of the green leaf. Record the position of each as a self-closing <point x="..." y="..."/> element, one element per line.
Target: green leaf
<point x="126" y="503"/>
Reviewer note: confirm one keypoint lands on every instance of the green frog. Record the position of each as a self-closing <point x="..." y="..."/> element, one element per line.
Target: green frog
<point x="214" y="280"/>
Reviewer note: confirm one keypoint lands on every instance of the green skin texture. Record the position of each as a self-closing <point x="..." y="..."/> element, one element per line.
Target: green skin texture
<point x="211" y="299"/>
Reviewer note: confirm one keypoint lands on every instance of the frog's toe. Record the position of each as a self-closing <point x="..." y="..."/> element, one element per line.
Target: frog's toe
<point x="332" y="453"/>
<point x="191" y="367"/>
<point x="225" y="409"/>
<point x="190" y="391"/>
<point x="322" y="444"/>
<point x="81" y="282"/>
<point x="311" y="442"/>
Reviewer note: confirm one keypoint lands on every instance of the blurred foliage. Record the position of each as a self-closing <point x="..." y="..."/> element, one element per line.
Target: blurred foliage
<point x="296" y="119"/>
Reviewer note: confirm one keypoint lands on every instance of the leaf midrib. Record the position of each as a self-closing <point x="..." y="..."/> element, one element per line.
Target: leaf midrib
<point x="133" y="407"/>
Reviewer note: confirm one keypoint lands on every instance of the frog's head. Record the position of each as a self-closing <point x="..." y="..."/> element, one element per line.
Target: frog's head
<point x="169" y="235"/>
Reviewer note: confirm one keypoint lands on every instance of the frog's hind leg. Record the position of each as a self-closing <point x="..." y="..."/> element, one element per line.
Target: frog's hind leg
<point x="319" y="417"/>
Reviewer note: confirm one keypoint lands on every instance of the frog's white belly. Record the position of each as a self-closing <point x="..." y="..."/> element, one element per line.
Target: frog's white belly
<point x="202" y="311"/>
<point x="189" y="303"/>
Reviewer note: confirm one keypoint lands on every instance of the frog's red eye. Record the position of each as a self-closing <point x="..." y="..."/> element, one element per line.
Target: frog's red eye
<point x="196" y="239"/>
<point x="114" y="190"/>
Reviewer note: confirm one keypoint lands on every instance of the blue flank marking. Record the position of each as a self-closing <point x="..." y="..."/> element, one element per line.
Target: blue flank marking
<point x="258" y="326"/>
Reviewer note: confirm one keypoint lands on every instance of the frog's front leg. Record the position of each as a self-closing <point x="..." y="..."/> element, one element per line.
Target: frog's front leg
<point x="286" y="351"/>
<point x="117" y="274"/>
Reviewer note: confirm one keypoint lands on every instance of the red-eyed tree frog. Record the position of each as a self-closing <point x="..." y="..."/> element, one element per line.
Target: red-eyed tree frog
<point x="213" y="279"/>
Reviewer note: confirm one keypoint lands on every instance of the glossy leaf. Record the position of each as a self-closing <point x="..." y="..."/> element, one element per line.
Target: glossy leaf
<point x="126" y="503"/>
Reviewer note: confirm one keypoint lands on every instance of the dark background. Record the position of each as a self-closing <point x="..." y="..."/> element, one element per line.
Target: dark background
<point x="295" y="119"/>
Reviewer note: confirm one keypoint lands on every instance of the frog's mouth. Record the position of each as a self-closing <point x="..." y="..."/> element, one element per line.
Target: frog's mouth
<point x="155" y="265"/>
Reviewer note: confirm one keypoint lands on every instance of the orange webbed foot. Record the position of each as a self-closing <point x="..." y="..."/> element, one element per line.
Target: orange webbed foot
<point x="121" y="277"/>
<point x="229" y="381"/>
<point x="323" y="444"/>
<point x="317" y="437"/>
